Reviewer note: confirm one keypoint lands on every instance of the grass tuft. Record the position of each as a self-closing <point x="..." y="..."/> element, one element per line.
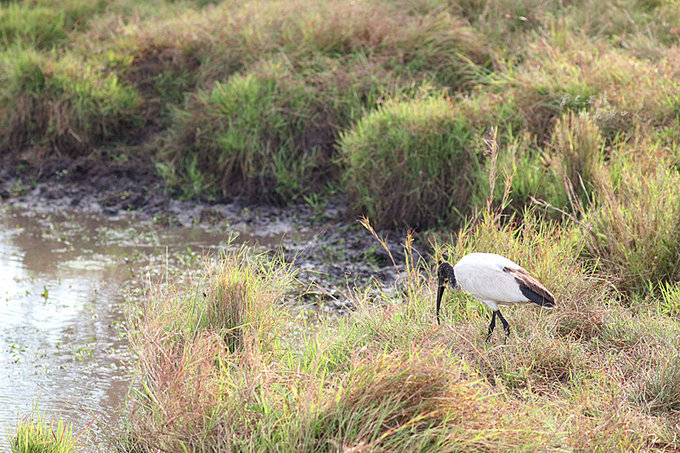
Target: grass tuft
<point x="410" y="162"/>
<point x="262" y="135"/>
<point x="633" y="229"/>
<point x="65" y="105"/>
<point x="578" y="145"/>
<point x="36" y="436"/>
<point x="43" y="24"/>
<point x="661" y="388"/>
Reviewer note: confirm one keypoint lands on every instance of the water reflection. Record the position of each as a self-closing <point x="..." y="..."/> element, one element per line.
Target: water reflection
<point x="60" y="344"/>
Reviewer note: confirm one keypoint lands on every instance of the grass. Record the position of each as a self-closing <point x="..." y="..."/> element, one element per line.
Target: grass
<point x="65" y="105"/>
<point x="410" y="161"/>
<point x="578" y="148"/>
<point x="633" y="226"/>
<point x="406" y="108"/>
<point x="255" y="139"/>
<point x="239" y="371"/>
<point x="260" y="100"/>
<point x="36" y="436"/>
<point x="281" y="387"/>
<point x="661" y="389"/>
<point x="41" y="25"/>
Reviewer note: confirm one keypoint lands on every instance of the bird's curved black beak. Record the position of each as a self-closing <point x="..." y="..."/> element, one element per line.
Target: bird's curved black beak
<point x="440" y="292"/>
<point x="445" y="274"/>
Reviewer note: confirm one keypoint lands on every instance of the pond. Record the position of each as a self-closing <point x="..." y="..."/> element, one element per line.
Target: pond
<point x="63" y="346"/>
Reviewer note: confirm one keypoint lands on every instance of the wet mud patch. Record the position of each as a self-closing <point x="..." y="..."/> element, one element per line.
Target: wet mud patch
<point x="88" y="184"/>
<point x="334" y="253"/>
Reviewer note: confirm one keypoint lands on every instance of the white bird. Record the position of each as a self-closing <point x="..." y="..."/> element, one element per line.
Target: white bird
<point x="493" y="280"/>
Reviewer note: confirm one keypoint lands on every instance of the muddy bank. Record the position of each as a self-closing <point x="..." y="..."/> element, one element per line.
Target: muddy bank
<point x="335" y="254"/>
<point x="88" y="184"/>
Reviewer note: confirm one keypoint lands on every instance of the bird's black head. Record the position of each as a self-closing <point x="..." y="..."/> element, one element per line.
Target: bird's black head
<point x="445" y="275"/>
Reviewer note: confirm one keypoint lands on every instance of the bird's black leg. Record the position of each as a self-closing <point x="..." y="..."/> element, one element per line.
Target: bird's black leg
<point x="506" y="326"/>
<point x="492" y="325"/>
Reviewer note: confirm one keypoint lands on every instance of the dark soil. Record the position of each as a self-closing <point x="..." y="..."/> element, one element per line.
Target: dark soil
<point x="337" y="254"/>
<point x="93" y="185"/>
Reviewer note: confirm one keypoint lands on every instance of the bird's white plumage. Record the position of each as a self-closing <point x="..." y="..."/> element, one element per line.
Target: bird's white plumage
<point x="482" y="275"/>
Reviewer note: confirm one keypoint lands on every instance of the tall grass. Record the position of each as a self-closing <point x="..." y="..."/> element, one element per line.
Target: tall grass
<point x="251" y="99"/>
<point x="578" y="146"/>
<point x="224" y="366"/>
<point x="412" y="162"/>
<point x="65" y="105"/>
<point x="261" y="135"/>
<point x="229" y="321"/>
<point x="391" y="101"/>
<point x="634" y="229"/>
<point x="43" y="24"/>
<point x="208" y="384"/>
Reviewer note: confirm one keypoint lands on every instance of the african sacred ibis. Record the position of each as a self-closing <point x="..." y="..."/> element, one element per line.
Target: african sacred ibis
<point x="493" y="280"/>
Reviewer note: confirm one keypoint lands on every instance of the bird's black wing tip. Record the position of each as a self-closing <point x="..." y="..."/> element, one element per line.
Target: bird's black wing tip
<point x="544" y="300"/>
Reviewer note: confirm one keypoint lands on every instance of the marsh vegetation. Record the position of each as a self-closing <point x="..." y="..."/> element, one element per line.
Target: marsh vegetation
<point x="546" y="131"/>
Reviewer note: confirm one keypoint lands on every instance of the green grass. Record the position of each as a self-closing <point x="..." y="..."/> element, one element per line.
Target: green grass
<point x="36" y="436"/>
<point x="260" y="135"/>
<point x="410" y="162"/>
<point x="43" y="24"/>
<point x="633" y="227"/>
<point x="64" y="105"/>
<point x="661" y="389"/>
<point x="286" y="387"/>
<point x="253" y="100"/>
<point x="578" y="150"/>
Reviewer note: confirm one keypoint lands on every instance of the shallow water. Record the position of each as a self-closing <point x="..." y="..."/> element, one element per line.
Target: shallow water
<point x="62" y="336"/>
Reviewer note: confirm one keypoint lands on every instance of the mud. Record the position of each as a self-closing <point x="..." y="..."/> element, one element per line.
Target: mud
<point x="337" y="254"/>
<point x="93" y="185"/>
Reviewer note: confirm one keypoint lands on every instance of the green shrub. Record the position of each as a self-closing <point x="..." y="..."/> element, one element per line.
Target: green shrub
<point x="630" y="24"/>
<point x="237" y="300"/>
<point x="411" y="162"/>
<point x="438" y="46"/>
<point x="505" y="23"/>
<point x="641" y="27"/>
